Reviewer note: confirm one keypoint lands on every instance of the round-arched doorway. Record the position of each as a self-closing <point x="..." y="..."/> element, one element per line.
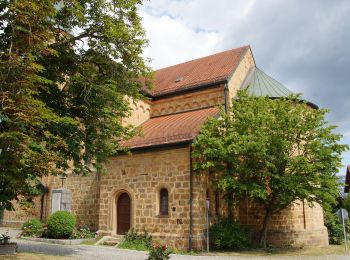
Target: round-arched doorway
<point x="123" y="213"/>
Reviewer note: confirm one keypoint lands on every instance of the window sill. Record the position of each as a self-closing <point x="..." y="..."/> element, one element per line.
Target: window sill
<point x="163" y="216"/>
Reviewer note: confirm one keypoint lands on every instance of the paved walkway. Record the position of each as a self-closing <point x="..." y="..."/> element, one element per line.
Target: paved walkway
<point x="110" y="253"/>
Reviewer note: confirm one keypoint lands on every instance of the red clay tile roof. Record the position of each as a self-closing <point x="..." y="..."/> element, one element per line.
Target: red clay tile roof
<point x="171" y="129"/>
<point x="211" y="69"/>
<point x="347" y="180"/>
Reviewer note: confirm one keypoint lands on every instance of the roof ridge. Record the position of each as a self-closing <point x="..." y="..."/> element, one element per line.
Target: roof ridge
<point x="200" y="58"/>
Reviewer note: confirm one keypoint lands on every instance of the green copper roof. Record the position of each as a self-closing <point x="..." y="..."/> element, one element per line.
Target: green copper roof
<point x="258" y="83"/>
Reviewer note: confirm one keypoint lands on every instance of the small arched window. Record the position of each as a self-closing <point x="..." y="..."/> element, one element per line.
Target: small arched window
<point x="163" y="202"/>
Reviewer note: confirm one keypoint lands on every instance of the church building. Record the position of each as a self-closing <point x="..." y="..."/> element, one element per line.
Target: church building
<point x="154" y="188"/>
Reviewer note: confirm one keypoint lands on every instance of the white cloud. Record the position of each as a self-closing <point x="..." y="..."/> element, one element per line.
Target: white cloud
<point x="208" y="14"/>
<point x="182" y="30"/>
<point x="172" y="41"/>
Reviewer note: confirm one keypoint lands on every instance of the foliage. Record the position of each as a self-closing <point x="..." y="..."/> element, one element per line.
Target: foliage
<point x="346" y="203"/>
<point x="137" y="241"/>
<point x="32" y="228"/>
<point x="65" y="70"/>
<point x="159" y="252"/>
<point x="272" y="151"/>
<point x="334" y="227"/>
<point x="61" y="224"/>
<point x="226" y="234"/>
<point x="4" y="239"/>
<point x="83" y="232"/>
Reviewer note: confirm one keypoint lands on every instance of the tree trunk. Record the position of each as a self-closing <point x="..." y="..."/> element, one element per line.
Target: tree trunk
<point x="230" y="192"/>
<point x="230" y="204"/>
<point x="264" y="229"/>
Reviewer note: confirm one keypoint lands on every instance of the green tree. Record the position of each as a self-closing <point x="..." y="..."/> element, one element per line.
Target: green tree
<point x="272" y="151"/>
<point x="346" y="203"/>
<point x="66" y="67"/>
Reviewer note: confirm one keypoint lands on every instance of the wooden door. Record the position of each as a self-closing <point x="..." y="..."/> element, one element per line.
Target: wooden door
<point x="123" y="213"/>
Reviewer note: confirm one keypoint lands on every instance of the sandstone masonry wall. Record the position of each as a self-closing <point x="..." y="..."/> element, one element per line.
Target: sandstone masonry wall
<point x="21" y="213"/>
<point x="240" y="74"/>
<point x="298" y="225"/>
<point x="140" y="112"/>
<point x="142" y="175"/>
<point x="85" y="201"/>
<point x="85" y="197"/>
<point x="189" y="101"/>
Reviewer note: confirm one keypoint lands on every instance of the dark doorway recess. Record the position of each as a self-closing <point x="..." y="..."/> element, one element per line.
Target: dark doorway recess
<point x="123" y="213"/>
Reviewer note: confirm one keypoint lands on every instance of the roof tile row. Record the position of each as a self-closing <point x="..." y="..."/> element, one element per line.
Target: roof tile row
<point x="171" y="129"/>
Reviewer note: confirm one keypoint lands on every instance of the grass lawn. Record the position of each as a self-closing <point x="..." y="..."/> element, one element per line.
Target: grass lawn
<point x="31" y="256"/>
<point x="330" y="250"/>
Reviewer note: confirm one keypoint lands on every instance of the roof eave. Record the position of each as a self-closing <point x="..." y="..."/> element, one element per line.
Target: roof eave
<point x="312" y="105"/>
<point x="155" y="146"/>
<point x="189" y="89"/>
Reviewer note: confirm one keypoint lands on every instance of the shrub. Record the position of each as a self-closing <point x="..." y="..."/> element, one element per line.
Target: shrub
<point x="83" y="232"/>
<point x="32" y="228"/>
<point x="334" y="227"/>
<point x="4" y="239"/>
<point x="346" y="203"/>
<point x="61" y="224"/>
<point x="159" y="252"/>
<point x="226" y="234"/>
<point x="134" y="240"/>
<point x="348" y="226"/>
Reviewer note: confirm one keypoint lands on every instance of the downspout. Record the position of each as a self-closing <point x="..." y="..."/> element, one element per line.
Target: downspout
<point x="225" y="96"/>
<point x="191" y="202"/>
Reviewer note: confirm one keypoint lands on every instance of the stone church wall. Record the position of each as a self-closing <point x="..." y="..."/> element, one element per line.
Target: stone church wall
<point x="85" y="197"/>
<point x="299" y="225"/>
<point x="85" y="201"/>
<point x="189" y="101"/>
<point x="240" y="74"/>
<point x="21" y="213"/>
<point x="140" y="112"/>
<point x="142" y="175"/>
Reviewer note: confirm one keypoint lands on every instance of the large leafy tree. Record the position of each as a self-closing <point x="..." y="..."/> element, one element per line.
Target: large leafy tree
<point x="66" y="67"/>
<point x="271" y="151"/>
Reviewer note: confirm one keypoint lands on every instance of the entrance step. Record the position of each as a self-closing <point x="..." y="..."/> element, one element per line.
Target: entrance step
<point x="110" y="240"/>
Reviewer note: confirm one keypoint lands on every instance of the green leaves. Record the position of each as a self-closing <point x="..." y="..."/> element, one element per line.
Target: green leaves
<point x="273" y="151"/>
<point x="66" y="68"/>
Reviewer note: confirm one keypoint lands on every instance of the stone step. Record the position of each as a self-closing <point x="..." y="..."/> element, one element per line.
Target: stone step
<point x="110" y="243"/>
<point x="118" y="236"/>
<point x="110" y="240"/>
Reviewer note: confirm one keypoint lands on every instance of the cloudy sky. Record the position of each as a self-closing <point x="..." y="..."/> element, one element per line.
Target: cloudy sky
<point x="303" y="44"/>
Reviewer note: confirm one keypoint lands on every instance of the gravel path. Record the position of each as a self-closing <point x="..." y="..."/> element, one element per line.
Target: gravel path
<point x="86" y="252"/>
<point x="81" y="251"/>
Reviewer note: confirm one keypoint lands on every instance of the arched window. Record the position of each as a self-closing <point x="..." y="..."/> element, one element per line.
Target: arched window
<point x="163" y="202"/>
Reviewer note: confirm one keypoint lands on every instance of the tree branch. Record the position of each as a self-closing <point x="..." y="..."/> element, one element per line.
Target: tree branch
<point x="78" y="37"/>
